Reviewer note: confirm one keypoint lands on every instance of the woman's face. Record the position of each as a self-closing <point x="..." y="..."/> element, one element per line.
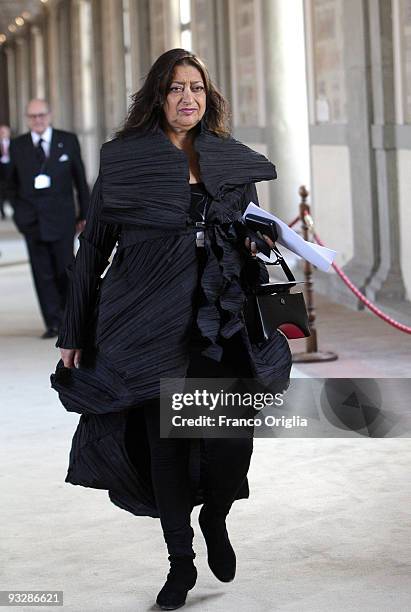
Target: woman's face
<point x="186" y="99"/>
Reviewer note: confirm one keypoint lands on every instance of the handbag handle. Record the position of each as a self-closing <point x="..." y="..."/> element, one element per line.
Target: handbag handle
<point x="243" y="229"/>
<point x="281" y="261"/>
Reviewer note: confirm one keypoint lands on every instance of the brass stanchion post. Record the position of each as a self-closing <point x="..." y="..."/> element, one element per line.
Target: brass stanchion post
<point x="312" y="353"/>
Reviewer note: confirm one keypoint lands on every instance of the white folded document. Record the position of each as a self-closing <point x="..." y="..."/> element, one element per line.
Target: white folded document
<point x="319" y="256"/>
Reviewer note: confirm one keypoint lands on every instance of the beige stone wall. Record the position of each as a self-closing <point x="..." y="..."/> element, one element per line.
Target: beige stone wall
<point x="332" y="207"/>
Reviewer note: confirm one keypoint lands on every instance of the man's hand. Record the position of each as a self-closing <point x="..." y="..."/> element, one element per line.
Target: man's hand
<point x="253" y="247"/>
<point x="71" y="357"/>
<point x="80" y="225"/>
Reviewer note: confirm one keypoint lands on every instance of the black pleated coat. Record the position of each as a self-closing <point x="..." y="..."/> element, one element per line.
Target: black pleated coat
<point x="134" y="323"/>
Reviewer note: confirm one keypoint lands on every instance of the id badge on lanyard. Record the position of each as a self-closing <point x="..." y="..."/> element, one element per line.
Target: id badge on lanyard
<point x="42" y="180"/>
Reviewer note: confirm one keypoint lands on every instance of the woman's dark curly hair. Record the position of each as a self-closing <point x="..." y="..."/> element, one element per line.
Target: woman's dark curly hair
<point x="146" y="109"/>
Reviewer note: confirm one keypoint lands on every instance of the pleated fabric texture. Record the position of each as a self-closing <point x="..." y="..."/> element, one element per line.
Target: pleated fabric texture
<point x="134" y="325"/>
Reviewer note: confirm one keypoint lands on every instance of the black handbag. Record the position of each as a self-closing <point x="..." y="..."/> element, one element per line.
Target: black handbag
<point x="271" y="306"/>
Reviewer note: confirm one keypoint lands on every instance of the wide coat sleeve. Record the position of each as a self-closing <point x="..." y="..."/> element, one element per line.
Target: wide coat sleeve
<point x="96" y="245"/>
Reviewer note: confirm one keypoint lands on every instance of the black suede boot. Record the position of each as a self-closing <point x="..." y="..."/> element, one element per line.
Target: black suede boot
<point x="221" y="555"/>
<point x="180" y="579"/>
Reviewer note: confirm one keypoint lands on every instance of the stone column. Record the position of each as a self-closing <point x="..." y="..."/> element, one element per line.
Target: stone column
<point x="248" y="80"/>
<point x="4" y="108"/>
<point x="98" y="71"/>
<point x="22" y="82"/>
<point x="387" y="282"/>
<point x="58" y="87"/>
<point x="222" y="49"/>
<point x="12" y="87"/>
<point x="164" y="26"/>
<point x="204" y="32"/>
<point x="37" y="62"/>
<point x="284" y="84"/>
<point x="113" y="65"/>
<point x="84" y="66"/>
<point x="344" y="194"/>
<point x="364" y="191"/>
<point x="52" y="52"/>
<point x="65" y="51"/>
<point x="140" y="41"/>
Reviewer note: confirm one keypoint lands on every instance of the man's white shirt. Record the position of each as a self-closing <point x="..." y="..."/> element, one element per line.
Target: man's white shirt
<point x="46" y="136"/>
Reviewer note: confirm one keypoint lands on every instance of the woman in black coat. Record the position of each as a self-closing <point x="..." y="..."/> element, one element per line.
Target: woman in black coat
<point x="170" y="306"/>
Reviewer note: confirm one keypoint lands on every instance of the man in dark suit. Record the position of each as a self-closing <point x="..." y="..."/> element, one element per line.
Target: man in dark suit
<point x="4" y="164"/>
<point x="45" y="163"/>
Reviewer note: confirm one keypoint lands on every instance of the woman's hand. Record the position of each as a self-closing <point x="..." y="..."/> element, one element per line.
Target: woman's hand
<point x="71" y="357"/>
<point x="80" y="225"/>
<point x="253" y="247"/>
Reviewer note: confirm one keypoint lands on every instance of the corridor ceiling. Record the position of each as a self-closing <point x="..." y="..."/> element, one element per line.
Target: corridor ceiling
<point x="10" y="9"/>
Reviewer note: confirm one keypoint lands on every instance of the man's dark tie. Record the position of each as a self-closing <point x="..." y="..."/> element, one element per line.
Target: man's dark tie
<point x="40" y="154"/>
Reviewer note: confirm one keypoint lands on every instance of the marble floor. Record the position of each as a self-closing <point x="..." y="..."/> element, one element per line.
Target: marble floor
<point x="327" y="525"/>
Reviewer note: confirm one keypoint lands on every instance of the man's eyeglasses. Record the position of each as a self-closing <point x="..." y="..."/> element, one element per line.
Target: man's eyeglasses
<point x="38" y="115"/>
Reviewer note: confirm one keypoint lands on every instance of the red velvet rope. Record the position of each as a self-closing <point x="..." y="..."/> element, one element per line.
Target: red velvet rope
<point x="357" y="292"/>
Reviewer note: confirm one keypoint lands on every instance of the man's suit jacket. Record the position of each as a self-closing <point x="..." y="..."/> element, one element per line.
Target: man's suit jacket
<point x="3" y="172"/>
<point x="49" y="211"/>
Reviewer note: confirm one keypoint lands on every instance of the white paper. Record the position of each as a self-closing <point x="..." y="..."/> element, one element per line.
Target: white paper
<point x="319" y="256"/>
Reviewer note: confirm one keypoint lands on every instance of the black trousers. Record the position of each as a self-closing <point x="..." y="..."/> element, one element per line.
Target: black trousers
<point x="228" y="460"/>
<point x="48" y="262"/>
<point x="2" y="197"/>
